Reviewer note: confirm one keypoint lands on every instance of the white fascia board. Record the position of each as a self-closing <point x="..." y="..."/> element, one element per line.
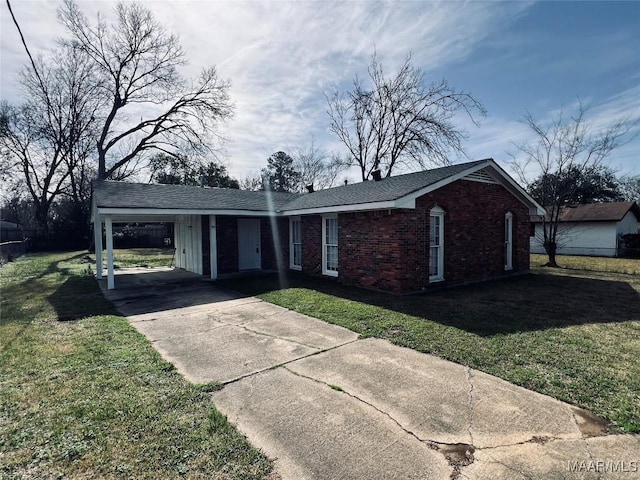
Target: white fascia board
<point x="180" y="211"/>
<point x="534" y="207"/>
<point x="360" y="207"/>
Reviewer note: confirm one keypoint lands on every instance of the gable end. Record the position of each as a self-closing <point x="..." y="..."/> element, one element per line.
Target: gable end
<point x="481" y="176"/>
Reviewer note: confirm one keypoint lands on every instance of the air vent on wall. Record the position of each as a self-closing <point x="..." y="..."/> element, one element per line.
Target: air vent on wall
<point x="480" y="176"/>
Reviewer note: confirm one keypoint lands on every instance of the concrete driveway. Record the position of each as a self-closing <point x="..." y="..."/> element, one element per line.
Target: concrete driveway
<point x="325" y="404"/>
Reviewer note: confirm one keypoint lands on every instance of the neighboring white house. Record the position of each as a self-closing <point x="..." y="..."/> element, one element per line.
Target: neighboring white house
<point x="592" y="229"/>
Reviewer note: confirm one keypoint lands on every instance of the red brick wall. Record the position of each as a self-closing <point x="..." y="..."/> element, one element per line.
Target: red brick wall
<point x="389" y="249"/>
<point x="474" y="230"/>
<point x="312" y="244"/>
<point x="227" y="243"/>
<point x="383" y="249"/>
<point x="269" y="249"/>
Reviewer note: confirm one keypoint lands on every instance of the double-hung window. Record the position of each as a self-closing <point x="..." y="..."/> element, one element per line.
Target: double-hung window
<point x="508" y="241"/>
<point x="330" y="245"/>
<point x="295" y="247"/>
<point x="436" y="245"/>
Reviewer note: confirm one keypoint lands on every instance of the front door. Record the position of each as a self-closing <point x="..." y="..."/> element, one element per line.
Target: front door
<point x="248" y="244"/>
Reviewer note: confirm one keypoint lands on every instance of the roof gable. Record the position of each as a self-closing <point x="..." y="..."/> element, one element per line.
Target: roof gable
<point x="402" y="191"/>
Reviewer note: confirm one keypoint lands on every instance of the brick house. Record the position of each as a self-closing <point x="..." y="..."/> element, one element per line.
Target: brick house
<point x="409" y="233"/>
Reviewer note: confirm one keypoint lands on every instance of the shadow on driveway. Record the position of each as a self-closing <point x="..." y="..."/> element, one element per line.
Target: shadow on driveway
<point x="148" y="290"/>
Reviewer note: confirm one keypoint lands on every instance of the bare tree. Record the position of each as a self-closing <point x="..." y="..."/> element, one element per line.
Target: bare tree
<point x="138" y="61"/>
<point x="252" y="181"/>
<point x="45" y="142"/>
<point x="399" y="120"/>
<point x="318" y="168"/>
<point x="560" y="147"/>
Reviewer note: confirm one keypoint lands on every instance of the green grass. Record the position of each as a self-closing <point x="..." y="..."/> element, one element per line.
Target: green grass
<point x="574" y="335"/>
<point x="141" y="257"/>
<point x="630" y="266"/>
<point x="83" y="395"/>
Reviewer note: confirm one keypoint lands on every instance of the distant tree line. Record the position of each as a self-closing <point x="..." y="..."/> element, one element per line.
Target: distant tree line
<point x="111" y="103"/>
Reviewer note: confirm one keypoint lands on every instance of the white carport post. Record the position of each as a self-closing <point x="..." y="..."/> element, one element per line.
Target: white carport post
<point x="109" y="234"/>
<point x="213" y="247"/>
<point x="97" y="234"/>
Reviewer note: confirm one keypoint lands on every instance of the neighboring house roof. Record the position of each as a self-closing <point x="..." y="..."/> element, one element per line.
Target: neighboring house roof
<point x="597" y="212"/>
<point x="113" y="194"/>
<point x="401" y="191"/>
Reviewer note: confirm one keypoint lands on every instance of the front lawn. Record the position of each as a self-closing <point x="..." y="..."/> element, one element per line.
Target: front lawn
<point x="571" y="334"/>
<point x="630" y="266"/>
<point x="83" y="395"/>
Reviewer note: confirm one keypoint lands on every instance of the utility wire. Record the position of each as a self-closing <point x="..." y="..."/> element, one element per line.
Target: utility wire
<point x="33" y="63"/>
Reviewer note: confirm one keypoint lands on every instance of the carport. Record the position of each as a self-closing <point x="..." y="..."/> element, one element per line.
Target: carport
<point x="196" y="214"/>
<point x="187" y="238"/>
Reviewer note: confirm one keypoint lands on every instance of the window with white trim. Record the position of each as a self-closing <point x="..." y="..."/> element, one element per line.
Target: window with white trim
<point x="295" y="243"/>
<point x="436" y="245"/>
<point x="330" y="245"/>
<point x="508" y="241"/>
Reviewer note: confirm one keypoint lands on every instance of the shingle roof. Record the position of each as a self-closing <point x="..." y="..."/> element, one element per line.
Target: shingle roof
<point x="388" y="189"/>
<point x="599" y="212"/>
<point x="112" y="194"/>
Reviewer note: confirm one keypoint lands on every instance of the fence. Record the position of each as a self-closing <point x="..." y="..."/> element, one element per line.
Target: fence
<point x="152" y="235"/>
<point x="629" y="245"/>
<point x="11" y="234"/>
<point x="11" y="250"/>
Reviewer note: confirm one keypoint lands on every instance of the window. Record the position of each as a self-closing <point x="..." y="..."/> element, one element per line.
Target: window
<point x="436" y="245"/>
<point x="295" y="247"/>
<point x="508" y="241"/>
<point x="330" y="245"/>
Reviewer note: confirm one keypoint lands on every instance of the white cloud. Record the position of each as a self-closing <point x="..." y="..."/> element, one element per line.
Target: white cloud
<point x="282" y="56"/>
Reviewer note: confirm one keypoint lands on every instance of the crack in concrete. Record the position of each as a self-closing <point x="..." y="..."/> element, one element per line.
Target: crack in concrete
<point x="584" y="439"/>
<point x="341" y="390"/>
<point x="242" y="325"/>
<point x="284" y="364"/>
<point x="472" y="410"/>
<point x="452" y="454"/>
<point x="458" y="455"/>
<point x="541" y="440"/>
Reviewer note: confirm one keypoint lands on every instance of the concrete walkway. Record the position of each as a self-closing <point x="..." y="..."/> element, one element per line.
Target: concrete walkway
<point x="326" y="405"/>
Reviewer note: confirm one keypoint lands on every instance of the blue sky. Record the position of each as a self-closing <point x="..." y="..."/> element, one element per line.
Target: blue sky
<point x="282" y="56"/>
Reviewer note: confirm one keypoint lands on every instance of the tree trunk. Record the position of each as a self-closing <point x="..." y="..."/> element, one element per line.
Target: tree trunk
<point x="550" y="248"/>
<point x="42" y="217"/>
